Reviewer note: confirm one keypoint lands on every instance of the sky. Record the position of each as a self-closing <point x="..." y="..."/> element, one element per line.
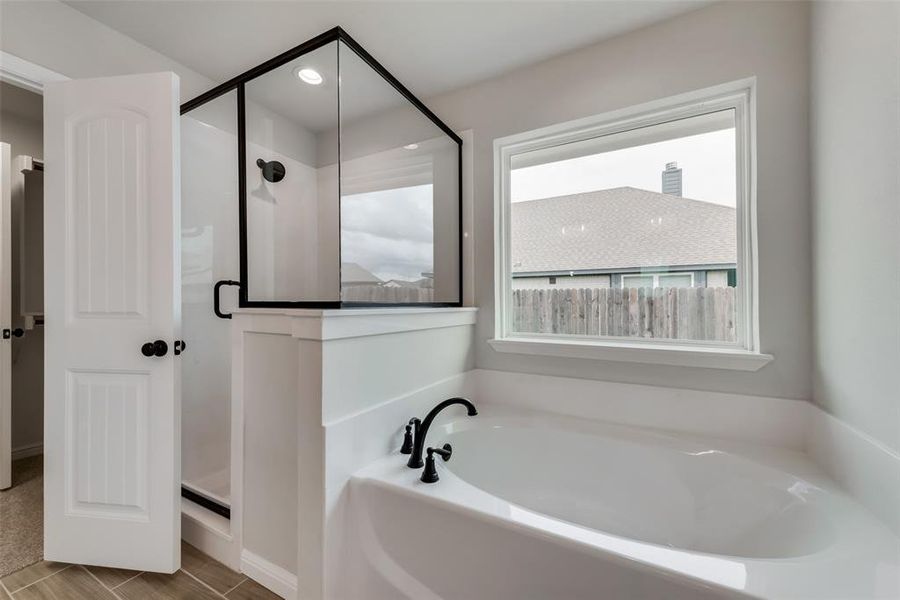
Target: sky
<point x="707" y="162"/>
<point x="390" y="232"/>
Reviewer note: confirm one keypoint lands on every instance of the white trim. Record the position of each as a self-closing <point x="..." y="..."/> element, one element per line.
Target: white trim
<point x="468" y="224"/>
<point x="5" y="318"/>
<point x="680" y="355"/>
<point x="272" y="577"/>
<point x="27" y="450"/>
<point x="336" y="324"/>
<point x="26" y="74"/>
<point x="237" y="482"/>
<point x="21" y="164"/>
<point x="739" y="96"/>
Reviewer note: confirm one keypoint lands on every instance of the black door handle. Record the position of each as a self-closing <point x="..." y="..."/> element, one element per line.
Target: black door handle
<point x="18" y="332"/>
<point x="157" y="348"/>
<point x="179" y="347"/>
<point x="216" y="306"/>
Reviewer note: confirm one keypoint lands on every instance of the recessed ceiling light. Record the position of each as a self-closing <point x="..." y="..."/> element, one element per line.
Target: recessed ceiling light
<point x="411" y="147"/>
<point x="307" y="75"/>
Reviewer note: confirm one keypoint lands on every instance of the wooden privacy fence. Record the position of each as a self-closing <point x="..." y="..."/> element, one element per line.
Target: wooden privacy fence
<point x="670" y="313"/>
<point x="393" y="295"/>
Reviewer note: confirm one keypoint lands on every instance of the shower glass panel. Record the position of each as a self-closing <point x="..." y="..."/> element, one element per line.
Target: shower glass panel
<point x="399" y="182"/>
<point x="313" y="180"/>
<point x="209" y="253"/>
<point x="291" y="190"/>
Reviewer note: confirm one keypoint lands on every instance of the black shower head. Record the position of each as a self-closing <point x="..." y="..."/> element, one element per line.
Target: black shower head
<point x="272" y="171"/>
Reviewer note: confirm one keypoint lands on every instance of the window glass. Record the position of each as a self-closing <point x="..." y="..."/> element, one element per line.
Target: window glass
<point x="637" y="281"/>
<point x="676" y="281"/>
<point x="629" y="208"/>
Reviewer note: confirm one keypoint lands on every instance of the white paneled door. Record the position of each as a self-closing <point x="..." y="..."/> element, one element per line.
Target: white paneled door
<point x="112" y="304"/>
<point x="5" y="318"/>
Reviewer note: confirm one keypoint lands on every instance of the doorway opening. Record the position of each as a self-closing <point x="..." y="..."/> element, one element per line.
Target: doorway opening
<point x="21" y="305"/>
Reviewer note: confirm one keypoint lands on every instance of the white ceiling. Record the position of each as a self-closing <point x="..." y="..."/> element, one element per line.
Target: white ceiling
<point x="431" y="46"/>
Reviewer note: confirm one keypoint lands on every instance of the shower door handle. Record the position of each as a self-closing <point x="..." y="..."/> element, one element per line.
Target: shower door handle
<point x="216" y="306"/>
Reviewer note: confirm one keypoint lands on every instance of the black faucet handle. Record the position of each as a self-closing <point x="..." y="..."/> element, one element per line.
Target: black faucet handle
<point x="445" y="452"/>
<point x="429" y="473"/>
<point x="407" y="446"/>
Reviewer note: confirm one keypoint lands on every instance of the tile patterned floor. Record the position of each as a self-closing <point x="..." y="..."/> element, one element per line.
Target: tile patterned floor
<point x="200" y="578"/>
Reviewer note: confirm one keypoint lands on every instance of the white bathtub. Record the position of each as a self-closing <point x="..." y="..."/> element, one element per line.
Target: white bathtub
<point x="543" y="507"/>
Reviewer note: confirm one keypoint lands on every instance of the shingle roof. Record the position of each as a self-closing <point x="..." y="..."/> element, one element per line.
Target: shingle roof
<point x="622" y="228"/>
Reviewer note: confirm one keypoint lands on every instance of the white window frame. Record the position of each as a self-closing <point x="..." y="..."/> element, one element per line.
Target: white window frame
<point x="744" y="353"/>
<point x="656" y="275"/>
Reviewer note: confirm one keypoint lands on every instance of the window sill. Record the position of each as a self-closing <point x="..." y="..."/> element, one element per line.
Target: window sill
<point x="657" y="354"/>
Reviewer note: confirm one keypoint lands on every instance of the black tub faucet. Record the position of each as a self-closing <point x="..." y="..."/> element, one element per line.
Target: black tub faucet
<point x="420" y="429"/>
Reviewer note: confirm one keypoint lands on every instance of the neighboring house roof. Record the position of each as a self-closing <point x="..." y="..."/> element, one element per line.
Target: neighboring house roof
<point x="620" y="228"/>
<point x="353" y="273"/>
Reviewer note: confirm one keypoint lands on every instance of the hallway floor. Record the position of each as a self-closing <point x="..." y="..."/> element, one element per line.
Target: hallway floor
<point x="22" y="516"/>
<point x="24" y="576"/>
<point x="200" y="578"/>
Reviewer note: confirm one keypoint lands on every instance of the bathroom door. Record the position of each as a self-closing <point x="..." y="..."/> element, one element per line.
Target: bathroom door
<point x="5" y="319"/>
<point x="112" y="305"/>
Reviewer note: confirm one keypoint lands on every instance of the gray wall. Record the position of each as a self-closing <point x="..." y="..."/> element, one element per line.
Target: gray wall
<point x="856" y="207"/>
<point x="716" y="44"/>
<point x="719" y="43"/>
<point x="21" y="121"/>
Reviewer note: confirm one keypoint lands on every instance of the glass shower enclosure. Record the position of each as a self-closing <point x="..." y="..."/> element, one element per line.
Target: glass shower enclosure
<point x="314" y="180"/>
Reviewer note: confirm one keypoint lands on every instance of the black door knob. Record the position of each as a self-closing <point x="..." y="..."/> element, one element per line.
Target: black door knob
<point x="18" y="332"/>
<point x="157" y="348"/>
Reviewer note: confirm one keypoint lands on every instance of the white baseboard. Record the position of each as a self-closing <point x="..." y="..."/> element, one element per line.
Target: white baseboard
<point x="210" y="533"/>
<point x="276" y="579"/>
<point x="26" y="451"/>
